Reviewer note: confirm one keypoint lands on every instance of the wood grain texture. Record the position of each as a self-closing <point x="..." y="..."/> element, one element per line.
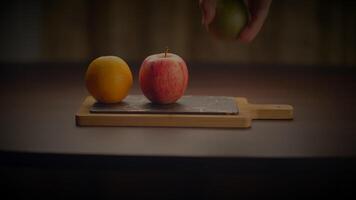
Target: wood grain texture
<point x="242" y="120"/>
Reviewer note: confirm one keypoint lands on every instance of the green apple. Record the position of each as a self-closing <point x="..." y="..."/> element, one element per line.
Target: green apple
<point x="231" y="16"/>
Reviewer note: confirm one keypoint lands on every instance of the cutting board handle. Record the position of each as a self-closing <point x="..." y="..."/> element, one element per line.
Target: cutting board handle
<point x="270" y="111"/>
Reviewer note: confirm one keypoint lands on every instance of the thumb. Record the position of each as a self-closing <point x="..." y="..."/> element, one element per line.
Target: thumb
<point x="259" y="11"/>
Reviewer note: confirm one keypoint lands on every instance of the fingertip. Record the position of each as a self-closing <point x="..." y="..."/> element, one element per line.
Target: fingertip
<point x="259" y="11"/>
<point x="246" y="36"/>
<point x="245" y="40"/>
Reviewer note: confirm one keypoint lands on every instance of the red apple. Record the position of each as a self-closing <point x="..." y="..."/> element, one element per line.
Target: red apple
<point x="163" y="78"/>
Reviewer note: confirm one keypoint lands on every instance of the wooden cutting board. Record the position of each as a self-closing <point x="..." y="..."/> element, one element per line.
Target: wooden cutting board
<point x="246" y="113"/>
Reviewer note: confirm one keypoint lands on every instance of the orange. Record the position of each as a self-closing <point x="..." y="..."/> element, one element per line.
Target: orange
<point x="108" y="79"/>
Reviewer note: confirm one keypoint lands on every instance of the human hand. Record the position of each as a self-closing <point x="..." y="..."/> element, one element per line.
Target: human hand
<point x="258" y="10"/>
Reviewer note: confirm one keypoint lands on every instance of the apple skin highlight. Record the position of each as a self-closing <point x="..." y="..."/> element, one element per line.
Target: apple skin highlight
<point x="163" y="78"/>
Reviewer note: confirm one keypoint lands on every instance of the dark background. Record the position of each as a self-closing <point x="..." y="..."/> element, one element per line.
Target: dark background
<point x="305" y="55"/>
<point x="313" y="32"/>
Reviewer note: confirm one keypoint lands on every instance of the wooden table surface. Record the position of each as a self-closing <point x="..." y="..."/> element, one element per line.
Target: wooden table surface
<point x="44" y="154"/>
<point x="39" y="101"/>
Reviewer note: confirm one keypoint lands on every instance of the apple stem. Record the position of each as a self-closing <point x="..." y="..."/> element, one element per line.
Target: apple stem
<point x="165" y="53"/>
